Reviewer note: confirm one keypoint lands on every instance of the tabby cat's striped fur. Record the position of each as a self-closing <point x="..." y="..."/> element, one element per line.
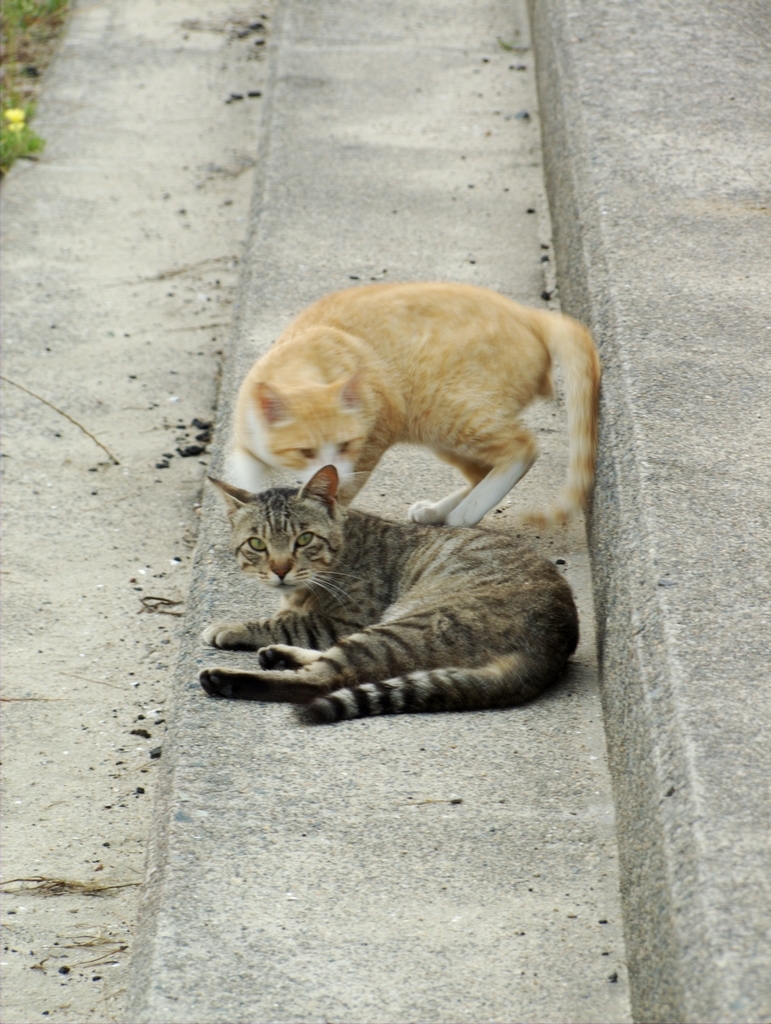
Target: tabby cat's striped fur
<point x="380" y="617"/>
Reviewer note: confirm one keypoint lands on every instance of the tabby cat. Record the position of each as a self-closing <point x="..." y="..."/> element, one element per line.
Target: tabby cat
<point x="449" y="366"/>
<point x="380" y="617"/>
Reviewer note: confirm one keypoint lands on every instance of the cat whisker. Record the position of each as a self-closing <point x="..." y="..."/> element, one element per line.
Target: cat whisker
<point x="315" y="586"/>
<point x="330" y="587"/>
<point x="348" y="575"/>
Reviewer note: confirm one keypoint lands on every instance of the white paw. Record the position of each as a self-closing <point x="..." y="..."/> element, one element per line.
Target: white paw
<point x="426" y="513"/>
<point x="460" y="518"/>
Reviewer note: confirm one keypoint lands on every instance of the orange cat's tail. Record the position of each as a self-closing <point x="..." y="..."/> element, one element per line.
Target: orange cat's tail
<point x="572" y="346"/>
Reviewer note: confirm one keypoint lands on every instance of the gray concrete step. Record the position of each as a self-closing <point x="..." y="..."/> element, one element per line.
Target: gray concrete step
<point x="303" y="875"/>
<point x="656" y="141"/>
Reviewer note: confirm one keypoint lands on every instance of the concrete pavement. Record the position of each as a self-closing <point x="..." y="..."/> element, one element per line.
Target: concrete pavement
<point x="323" y="874"/>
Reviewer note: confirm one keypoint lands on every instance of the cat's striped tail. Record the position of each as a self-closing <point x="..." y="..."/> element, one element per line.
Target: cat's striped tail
<point x="510" y="679"/>
<point x="571" y="345"/>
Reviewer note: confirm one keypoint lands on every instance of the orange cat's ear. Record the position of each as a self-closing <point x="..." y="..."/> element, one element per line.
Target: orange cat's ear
<point x="350" y="396"/>
<point x="235" y="497"/>
<point x="273" y="405"/>
<point x="322" y="486"/>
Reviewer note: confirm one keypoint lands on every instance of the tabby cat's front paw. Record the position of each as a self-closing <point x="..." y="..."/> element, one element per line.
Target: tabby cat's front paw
<point x="230" y="636"/>
<point x="215" y="683"/>
<point x="426" y="512"/>
<point x="281" y="657"/>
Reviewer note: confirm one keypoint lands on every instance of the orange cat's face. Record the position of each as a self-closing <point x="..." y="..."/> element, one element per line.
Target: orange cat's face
<point x="305" y="429"/>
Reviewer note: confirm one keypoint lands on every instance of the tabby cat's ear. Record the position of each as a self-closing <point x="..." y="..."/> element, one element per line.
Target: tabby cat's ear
<point x="235" y="497"/>
<point x="322" y="486"/>
<point x="273" y="405"/>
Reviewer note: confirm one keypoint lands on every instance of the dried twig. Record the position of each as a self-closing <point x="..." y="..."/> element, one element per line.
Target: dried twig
<point x="104" y="958"/>
<point x="108" y="958"/>
<point x="160" y="605"/>
<point x="62" y="413"/>
<point x="176" y="271"/>
<point x="16" y="700"/>
<point x="61" y="886"/>
<point x="198" y="327"/>
<point x="421" y="803"/>
<point x="88" y="679"/>
<point x="88" y="942"/>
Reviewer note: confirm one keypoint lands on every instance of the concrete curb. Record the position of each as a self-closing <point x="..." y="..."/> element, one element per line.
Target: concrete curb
<point x="652" y="115"/>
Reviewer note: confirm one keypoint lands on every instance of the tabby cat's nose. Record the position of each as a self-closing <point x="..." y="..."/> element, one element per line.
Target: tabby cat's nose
<point x="280" y="569"/>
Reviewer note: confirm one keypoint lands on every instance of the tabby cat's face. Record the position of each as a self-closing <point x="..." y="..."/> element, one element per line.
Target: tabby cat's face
<point x="284" y="537"/>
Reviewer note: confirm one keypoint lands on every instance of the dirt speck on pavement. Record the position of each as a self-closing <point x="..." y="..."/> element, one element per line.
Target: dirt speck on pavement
<point x="121" y="256"/>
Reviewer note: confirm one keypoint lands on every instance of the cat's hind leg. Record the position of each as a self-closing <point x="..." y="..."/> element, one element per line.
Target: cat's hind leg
<point x="292" y="675"/>
<point x="270" y="687"/>
<point x="507" y="680"/>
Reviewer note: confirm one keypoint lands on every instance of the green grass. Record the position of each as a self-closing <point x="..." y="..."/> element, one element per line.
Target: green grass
<point x="30" y="30"/>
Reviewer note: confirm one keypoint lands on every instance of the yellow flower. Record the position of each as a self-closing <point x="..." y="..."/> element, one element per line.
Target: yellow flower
<point x="16" y="117"/>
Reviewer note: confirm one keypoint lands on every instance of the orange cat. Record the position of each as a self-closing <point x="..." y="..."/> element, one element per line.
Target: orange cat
<point x="449" y="366"/>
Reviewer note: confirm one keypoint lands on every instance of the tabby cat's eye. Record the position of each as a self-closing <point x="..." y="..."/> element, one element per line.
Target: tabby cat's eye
<point x="257" y="544"/>
<point x="303" y="539"/>
<point x="308" y="453"/>
<point x="343" y="448"/>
